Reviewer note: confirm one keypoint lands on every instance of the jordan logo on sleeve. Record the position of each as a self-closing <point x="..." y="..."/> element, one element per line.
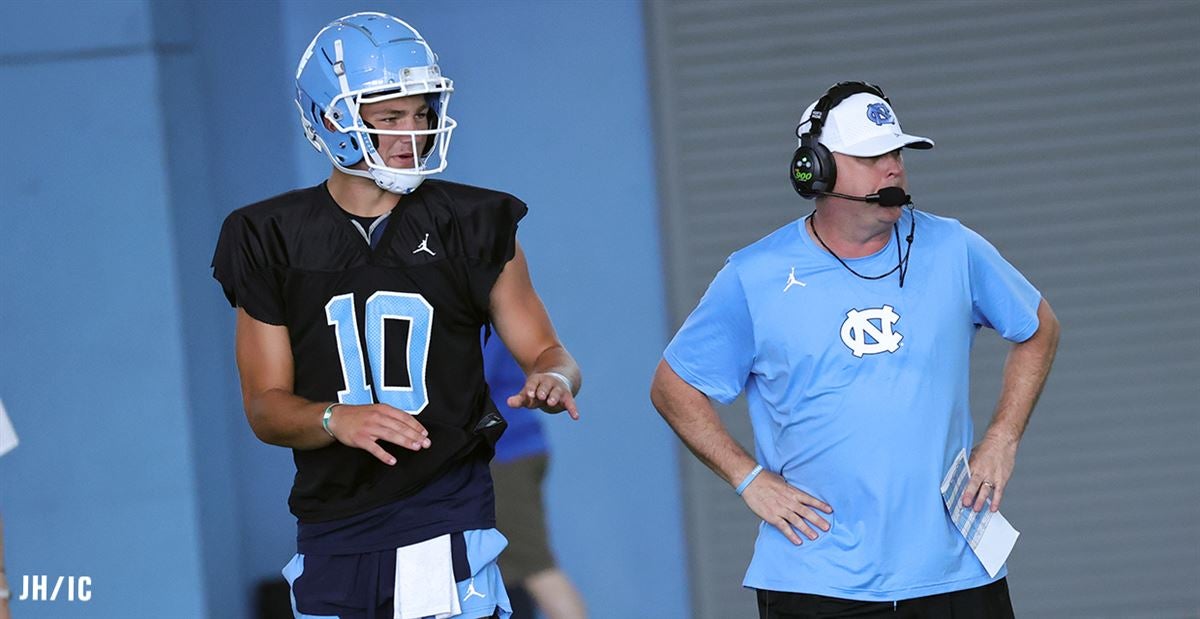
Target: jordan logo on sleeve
<point x="869" y="331"/>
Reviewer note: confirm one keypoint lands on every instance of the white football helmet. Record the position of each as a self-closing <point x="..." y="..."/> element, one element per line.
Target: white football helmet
<point x="367" y="58"/>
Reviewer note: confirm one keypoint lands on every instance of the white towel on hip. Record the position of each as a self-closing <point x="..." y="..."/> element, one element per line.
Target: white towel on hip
<point x="425" y="581"/>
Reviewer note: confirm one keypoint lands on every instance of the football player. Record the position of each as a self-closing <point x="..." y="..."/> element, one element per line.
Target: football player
<point x="359" y="307"/>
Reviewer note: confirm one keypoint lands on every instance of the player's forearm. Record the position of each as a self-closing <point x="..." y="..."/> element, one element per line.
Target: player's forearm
<point x="695" y="421"/>
<point x="282" y="418"/>
<point x="1025" y="372"/>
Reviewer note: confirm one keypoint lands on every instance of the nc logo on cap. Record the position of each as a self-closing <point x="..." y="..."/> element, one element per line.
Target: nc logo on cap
<point x="880" y="114"/>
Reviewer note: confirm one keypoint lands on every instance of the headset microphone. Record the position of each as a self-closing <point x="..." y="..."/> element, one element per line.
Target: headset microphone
<point x="888" y="196"/>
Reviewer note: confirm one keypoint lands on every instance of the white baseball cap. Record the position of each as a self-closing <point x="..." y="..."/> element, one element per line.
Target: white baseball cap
<point x="863" y="125"/>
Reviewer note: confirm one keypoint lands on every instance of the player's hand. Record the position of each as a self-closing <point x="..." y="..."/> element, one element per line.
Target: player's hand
<point x="547" y="392"/>
<point x="365" y="425"/>
<point x="991" y="464"/>
<point x="785" y="507"/>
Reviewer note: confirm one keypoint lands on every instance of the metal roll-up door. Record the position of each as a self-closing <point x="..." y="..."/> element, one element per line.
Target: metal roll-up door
<point x="1067" y="134"/>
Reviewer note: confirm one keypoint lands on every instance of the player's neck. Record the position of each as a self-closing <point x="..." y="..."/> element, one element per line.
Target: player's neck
<point x="360" y="196"/>
<point x="848" y="235"/>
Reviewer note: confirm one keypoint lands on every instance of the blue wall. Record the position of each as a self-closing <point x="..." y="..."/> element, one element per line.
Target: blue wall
<point x="136" y="466"/>
<point x="93" y="364"/>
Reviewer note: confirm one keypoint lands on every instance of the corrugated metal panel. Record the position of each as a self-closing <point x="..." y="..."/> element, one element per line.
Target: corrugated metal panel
<point x="1068" y="135"/>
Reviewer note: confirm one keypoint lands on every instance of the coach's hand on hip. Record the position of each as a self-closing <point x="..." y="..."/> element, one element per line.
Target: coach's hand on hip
<point x="785" y="507"/>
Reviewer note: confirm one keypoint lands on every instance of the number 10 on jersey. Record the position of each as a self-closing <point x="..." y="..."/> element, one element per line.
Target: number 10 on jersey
<point x="380" y="307"/>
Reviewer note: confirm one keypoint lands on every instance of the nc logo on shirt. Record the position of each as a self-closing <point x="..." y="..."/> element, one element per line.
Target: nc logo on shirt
<point x="869" y="331"/>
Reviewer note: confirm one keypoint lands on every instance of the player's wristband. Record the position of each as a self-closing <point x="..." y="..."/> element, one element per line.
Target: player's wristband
<point x="749" y="478"/>
<point x="325" y="419"/>
<point x="564" y="379"/>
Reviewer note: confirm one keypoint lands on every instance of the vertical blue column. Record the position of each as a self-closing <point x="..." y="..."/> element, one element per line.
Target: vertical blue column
<point x="92" y="369"/>
<point x="227" y="98"/>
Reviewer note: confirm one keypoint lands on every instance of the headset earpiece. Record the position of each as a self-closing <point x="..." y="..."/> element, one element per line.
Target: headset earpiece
<point x="813" y="170"/>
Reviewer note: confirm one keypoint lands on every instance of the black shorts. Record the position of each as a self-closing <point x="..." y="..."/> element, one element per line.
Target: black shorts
<point x="986" y="602"/>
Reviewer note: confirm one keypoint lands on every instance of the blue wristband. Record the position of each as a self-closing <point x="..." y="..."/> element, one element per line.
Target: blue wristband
<point x="749" y="478"/>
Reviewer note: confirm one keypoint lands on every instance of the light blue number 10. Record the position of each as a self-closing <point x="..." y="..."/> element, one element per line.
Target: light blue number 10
<point x="380" y="307"/>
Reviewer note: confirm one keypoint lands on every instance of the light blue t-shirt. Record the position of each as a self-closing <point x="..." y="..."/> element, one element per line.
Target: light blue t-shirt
<point x="858" y="395"/>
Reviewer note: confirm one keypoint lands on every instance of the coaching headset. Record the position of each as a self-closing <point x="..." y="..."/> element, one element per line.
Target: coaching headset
<point x="813" y="170"/>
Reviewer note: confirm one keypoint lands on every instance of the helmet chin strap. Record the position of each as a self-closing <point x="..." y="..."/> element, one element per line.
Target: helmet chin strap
<point x="391" y="179"/>
<point x="395" y="182"/>
<point x="387" y="180"/>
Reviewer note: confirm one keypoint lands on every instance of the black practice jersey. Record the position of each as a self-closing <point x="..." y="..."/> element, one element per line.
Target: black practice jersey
<point x="398" y="323"/>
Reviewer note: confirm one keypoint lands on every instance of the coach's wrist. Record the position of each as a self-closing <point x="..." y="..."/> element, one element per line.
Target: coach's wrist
<point x="1003" y="435"/>
<point x="748" y="479"/>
